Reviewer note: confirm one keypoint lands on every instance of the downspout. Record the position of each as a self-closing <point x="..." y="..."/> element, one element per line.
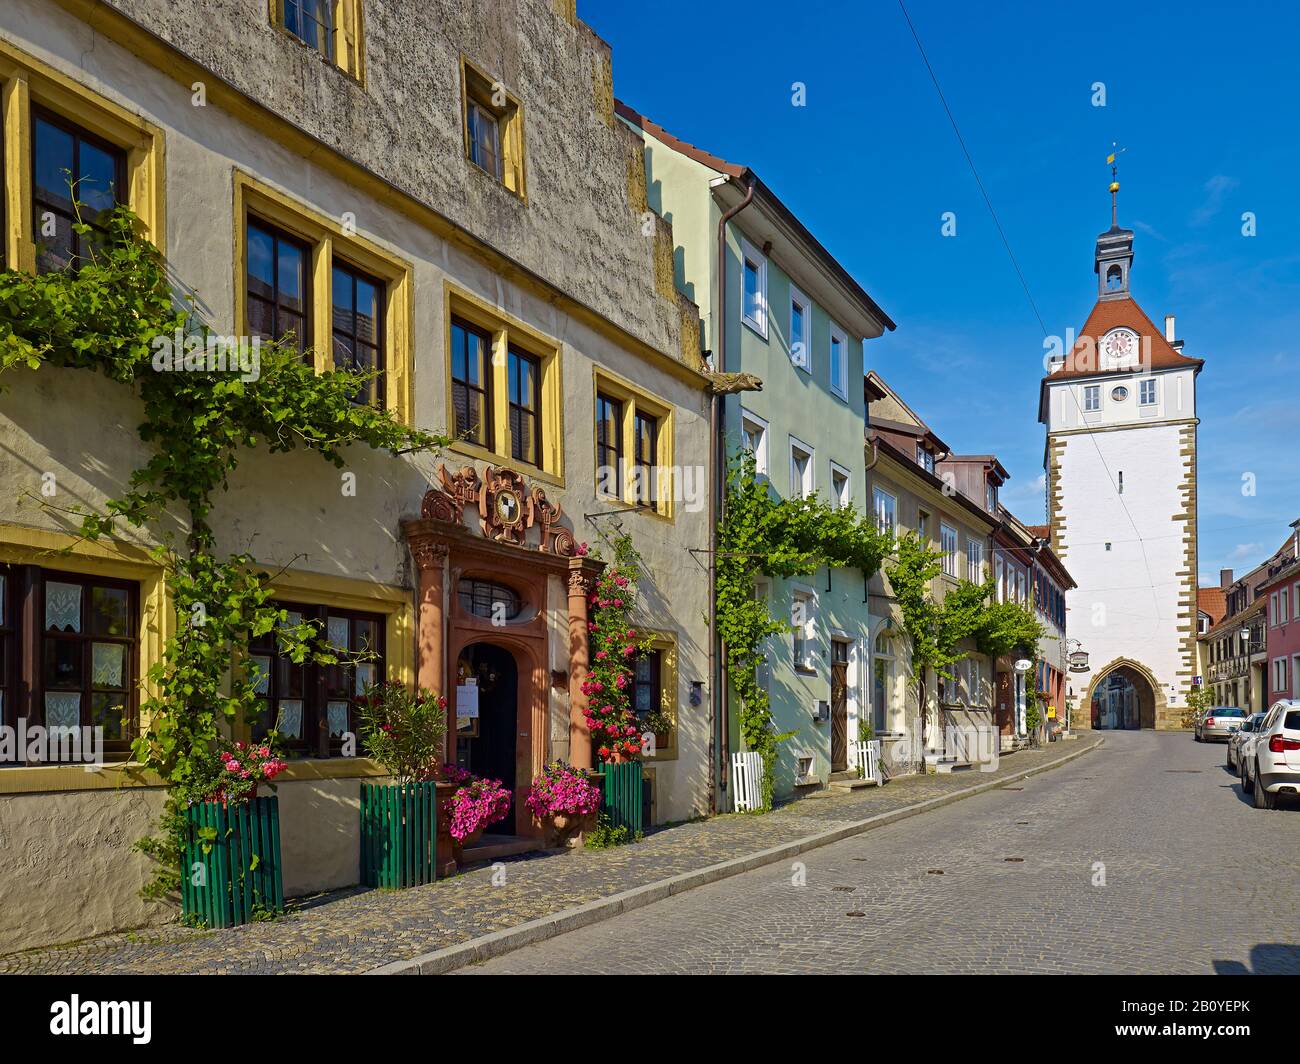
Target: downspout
<point x="717" y="511"/>
<point x="866" y="579"/>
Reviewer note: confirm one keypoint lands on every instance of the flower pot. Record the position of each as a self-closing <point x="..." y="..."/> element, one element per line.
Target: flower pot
<point x="398" y="834"/>
<point x="446" y="859"/>
<point x="231" y="870"/>
<point x="470" y="840"/>
<point x="566" y="829"/>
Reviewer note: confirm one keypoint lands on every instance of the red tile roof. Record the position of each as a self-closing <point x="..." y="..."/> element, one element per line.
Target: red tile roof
<point x="1085" y="359"/>
<point x="1212" y="602"/>
<point x="1040" y="531"/>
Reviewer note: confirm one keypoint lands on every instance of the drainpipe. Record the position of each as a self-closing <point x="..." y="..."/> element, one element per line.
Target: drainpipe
<point x="717" y="510"/>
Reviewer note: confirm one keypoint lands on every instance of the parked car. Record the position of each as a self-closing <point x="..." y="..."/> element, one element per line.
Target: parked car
<point x="1238" y="739"/>
<point x="1270" y="758"/>
<point x="1219" y="722"/>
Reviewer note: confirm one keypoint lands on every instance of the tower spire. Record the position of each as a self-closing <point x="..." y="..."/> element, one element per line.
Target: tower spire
<point x="1115" y="153"/>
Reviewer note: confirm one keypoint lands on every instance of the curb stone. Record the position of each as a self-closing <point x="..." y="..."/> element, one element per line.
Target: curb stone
<point x="510" y="939"/>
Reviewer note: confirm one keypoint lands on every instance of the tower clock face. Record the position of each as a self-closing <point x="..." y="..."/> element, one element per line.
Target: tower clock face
<point x="1119" y="347"/>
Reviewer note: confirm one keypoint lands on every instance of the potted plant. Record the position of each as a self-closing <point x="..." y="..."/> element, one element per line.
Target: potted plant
<point x="476" y="804"/>
<point x="403" y="731"/>
<point x="231" y="872"/>
<point x="661" y="724"/>
<point x="565" y="802"/>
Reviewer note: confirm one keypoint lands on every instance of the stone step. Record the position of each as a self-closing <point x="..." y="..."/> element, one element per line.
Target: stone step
<point x="854" y="784"/>
<point x="493" y="848"/>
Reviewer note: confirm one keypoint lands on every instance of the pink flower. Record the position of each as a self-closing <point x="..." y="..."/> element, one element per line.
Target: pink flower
<point x="601" y="655"/>
<point x="232" y="765"/>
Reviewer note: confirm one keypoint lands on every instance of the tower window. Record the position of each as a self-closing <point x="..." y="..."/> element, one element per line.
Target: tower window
<point x="1092" y="397"/>
<point x="1121" y="481"/>
<point x="1114" y="278"/>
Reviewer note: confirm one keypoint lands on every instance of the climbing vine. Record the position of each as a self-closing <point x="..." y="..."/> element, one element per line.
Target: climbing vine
<point x="762" y="533"/>
<point x="934" y="630"/>
<point x="112" y="314"/>
<point x="614" y="647"/>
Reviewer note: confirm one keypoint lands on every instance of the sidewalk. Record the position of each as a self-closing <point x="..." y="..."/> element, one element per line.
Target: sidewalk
<point x="359" y="930"/>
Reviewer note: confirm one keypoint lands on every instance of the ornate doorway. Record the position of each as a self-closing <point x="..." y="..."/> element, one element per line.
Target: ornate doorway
<point x="486" y="744"/>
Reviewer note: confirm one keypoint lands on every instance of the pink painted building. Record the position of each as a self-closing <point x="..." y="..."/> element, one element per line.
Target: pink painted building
<point x="1280" y="592"/>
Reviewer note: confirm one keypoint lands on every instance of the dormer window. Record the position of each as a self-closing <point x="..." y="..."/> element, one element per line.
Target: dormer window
<point x="924" y="458"/>
<point x="991" y="497"/>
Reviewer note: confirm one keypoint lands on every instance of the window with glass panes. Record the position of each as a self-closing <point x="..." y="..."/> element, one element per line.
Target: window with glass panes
<point x="645" y="442"/>
<point x="609" y="445"/>
<point x="278" y="285"/>
<point x="312" y="22"/>
<point x="523" y="381"/>
<point x="313" y="706"/>
<point x="88" y="649"/>
<point x="647" y="683"/>
<point x="484" y="138"/>
<point x="76" y="176"/>
<point x="358" y="325"/>
<point x="471" y="356"/>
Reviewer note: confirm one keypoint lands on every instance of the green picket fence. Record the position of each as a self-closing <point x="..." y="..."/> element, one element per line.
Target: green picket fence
<point x="399" y="834"/>
<point x="623" y="804"/>
<point x="239" y="875"/>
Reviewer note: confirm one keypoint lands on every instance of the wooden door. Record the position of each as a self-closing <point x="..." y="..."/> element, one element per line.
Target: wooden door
<point x="839" y="705"/>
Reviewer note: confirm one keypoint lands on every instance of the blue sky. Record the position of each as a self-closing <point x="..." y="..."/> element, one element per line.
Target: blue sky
<point x="1204" y="97"/>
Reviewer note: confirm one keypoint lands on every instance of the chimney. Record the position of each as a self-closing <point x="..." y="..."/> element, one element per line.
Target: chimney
<point x="1169" y="328"/>
<point x="1225" y="578"/>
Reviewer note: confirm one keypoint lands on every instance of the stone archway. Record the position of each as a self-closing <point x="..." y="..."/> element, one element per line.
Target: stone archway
<point x="1124" y="695"/>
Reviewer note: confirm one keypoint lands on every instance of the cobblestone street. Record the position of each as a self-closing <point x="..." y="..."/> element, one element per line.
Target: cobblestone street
<point x="1196" y="881"/>
<point x="363" y="929"/>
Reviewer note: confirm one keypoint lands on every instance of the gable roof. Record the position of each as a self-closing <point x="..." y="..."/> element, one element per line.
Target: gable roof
<point x="744" y="175"/>
<point x="1084" y="360"/>
<point x="1212" y="602"/>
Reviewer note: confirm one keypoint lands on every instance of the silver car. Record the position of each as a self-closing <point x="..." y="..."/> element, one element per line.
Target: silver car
<point x="1237" y="740"/>
<point x="1270" y="759"/>
<point x="1219" y="722"/>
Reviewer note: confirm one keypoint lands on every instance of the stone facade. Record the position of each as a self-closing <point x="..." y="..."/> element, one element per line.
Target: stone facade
<point x="568" y="264"/>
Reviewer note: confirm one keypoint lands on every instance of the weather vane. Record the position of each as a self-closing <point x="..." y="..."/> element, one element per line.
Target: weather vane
<point x="1115" y="153"/>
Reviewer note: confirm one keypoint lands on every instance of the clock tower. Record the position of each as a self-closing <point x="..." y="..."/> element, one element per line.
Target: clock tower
<point x="1120" y="460"/>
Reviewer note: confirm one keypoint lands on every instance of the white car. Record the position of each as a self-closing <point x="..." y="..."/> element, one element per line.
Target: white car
<point x="1239" y="738"/>
<point x="1270" y="756"/>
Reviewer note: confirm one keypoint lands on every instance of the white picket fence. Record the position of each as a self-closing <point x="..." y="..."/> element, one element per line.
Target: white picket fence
<point x="746" y="782"/>
<point x="867" y="754"/>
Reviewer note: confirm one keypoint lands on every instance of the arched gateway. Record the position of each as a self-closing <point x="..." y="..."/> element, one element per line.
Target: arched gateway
<point x="1124" y="696"/>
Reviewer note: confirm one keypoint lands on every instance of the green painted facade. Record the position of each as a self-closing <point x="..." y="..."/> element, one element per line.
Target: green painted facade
<point x="798" y="407"/>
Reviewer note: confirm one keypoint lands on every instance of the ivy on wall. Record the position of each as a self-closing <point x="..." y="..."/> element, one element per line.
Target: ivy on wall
<point x="935" y="630"/>
<point x="111" y="314"/>
<point x="762" y="533"/>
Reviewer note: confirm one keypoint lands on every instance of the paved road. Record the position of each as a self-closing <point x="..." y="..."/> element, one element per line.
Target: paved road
<point x="1196" y="881"/>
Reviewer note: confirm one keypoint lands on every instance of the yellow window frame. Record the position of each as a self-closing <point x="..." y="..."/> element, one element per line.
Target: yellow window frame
<point x="349" y="35"/>
<point x="27" y="82"/>
<point x="396" y="606"/>
<point x="481" y="88"/>
<point x="22" y="545"/>
<point x="666" y="643"/>
<point x="634" y="399"/>
<point x="505" y="330"/>
<point x="327" y="240"/>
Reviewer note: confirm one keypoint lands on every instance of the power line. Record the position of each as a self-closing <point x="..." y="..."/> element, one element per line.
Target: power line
<point x="971" y="163"/>
<point x="1025" y="285"/>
